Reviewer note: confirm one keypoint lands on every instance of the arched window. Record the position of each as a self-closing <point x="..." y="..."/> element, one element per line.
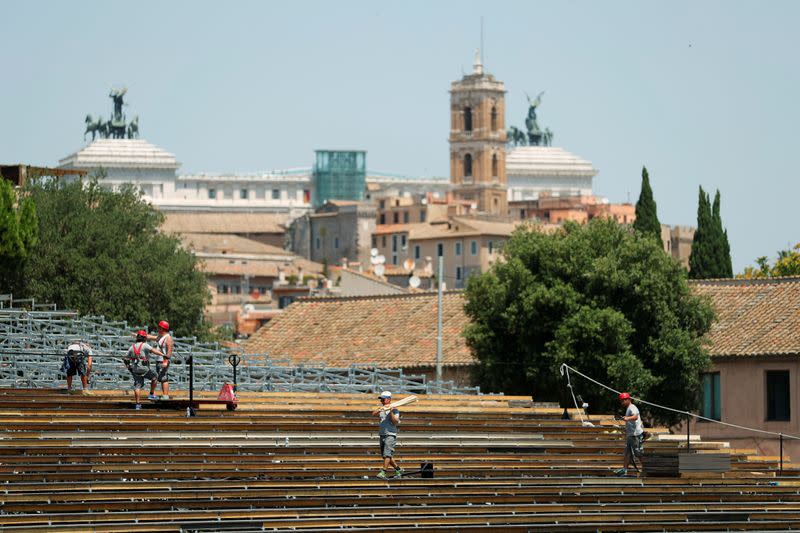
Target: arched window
<point x="467" y="119"/>
<point x="494" y="166"/>
<point x="494" y="118"/>
<point x="468" y="165"/>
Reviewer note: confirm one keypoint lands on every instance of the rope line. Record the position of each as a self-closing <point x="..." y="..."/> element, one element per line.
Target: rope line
<point x="565" y="370"/>
<point x="571" y="391"/>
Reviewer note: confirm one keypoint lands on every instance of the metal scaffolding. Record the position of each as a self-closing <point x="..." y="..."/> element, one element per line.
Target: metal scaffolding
<point x="34" y="337"/>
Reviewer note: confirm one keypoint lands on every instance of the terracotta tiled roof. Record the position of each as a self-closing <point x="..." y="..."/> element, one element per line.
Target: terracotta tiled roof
<point x="754" y="317"/>
<point x="224" y="223"/>
<point x="231" y="244"/>
<point x="395" y="331"/>
<point x="386" y="229"/>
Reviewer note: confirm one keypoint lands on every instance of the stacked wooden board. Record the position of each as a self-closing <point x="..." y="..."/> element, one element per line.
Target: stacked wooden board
<point x="307" y="462"/>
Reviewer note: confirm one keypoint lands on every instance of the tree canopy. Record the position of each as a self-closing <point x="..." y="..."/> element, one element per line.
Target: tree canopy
<point x="19" y="232"/>
<point x="600" y="297"/>
<point x="711" y="250"/>
<point x="787" y="264"/>
<point x="100" y="252"/>
<point x="646" y="210"/>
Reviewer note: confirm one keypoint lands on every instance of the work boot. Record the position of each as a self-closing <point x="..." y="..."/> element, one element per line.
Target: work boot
<point x="138" y="407"/>
<point x="399" y="472"/>
<point x="381" y="475"/>
<point x="622" y="472"/>
<point x="152" y="397"/>
<point x="165" y="396"/>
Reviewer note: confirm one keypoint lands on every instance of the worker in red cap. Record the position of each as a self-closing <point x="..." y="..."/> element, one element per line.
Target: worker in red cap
<point x="137" y="360"/>
<point x="164" y="341"/>
<point x="634" y="433"/>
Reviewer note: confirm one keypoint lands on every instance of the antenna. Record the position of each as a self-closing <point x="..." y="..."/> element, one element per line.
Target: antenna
<point x="482" y="53"/>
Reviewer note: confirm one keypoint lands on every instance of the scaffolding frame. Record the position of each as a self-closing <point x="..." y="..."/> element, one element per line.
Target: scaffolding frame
<point x="34" y="337"/>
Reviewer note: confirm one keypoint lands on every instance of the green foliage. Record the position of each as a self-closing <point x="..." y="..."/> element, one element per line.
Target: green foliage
<point x="722" y="246"/>
<point x="100" y="253"/>
<point x="599" y="297"/>
<point x="787" y="264"/>
<point x="711" y="250"/>
<point x="292" y="279"/>
<point x="646" y="212"/>
<point x="19" y="231"/>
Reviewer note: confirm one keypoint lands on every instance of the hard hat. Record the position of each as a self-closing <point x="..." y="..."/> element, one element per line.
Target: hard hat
<point x="141" y="334"/>
<point x="385" y="394"/>
<point x="624" y="396"/>
<point x="164" y="325"/>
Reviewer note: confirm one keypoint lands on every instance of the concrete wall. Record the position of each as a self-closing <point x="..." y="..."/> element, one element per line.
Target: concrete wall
<point x="743" y="396"/>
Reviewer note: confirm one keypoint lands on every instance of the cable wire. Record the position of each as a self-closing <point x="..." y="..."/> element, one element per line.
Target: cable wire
<point x="565" y="369"/>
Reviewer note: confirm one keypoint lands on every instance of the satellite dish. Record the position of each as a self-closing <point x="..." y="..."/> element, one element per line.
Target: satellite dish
<point x="414" y="281"/>
<point x="374" y="252"/>
<point x="379" y="269"/>
<point x="374" y="260"/>
<point x="249" y="308"/>
<point x="381" y="259"/>
<point x="408" y="264"/>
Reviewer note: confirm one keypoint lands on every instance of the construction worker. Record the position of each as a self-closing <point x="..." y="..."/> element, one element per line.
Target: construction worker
<point x="165" y="345"/>
<point x="137" y="360"/>
<point x="78" y="360"/>
<point x="389" y="420"/>
<point x="634" y="433"/>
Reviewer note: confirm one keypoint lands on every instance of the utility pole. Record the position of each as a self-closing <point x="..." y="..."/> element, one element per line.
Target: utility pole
<point x="440" y="280"/>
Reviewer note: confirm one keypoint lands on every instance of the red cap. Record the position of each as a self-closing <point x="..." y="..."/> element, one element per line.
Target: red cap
<point x="164" y="325"/>
<point x="624" y="396"/>
<point x="141" y="333"/>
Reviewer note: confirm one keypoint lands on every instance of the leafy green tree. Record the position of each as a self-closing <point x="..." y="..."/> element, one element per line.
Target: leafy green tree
<point x="787" y="264"/>
<point x="646" y="211"/>
<point x="599" y="297"/>
<point x="100" y="252"/>
<point x="19" y="229"/>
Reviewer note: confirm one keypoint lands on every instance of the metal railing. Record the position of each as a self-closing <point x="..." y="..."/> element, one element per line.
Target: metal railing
<point x="33" y="340"/>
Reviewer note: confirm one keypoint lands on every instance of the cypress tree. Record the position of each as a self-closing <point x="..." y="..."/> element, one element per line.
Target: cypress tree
<point x="701" y="260"/>
<point x="646" y="213"/>
<point x="722" y="247"/>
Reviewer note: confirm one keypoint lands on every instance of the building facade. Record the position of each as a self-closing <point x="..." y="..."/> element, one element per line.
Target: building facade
<point x="339" y="175"/>
<point x="466" y="245"/>
<point x="338" y="230"/>
<point x="537" y="170"/>
<point x="754" y="379"/>
<point x="477" y="141"/>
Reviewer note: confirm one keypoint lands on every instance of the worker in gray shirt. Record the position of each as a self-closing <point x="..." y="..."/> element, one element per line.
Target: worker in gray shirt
<point x="390" y="419"/>
<point x="634" y="433"/>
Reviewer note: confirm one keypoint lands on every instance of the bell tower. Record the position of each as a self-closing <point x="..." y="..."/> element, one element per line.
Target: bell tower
<point x="478" y="139"/>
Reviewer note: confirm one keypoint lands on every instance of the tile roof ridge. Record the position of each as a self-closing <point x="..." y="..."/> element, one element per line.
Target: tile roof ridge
<point x="745" y="281"/>
<point x="420" y="294"/>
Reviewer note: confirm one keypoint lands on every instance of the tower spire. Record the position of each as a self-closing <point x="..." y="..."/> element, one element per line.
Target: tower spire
<point x="477" y="65"/>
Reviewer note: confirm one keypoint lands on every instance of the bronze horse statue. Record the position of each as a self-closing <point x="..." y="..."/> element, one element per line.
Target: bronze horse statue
<point x="95" y="127"/>
<point x="133" y="128"/>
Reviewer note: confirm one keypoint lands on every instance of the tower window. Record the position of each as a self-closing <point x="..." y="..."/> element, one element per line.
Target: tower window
<point x="467" y="119"/>
<point x="494" y="118"/>
<point x="494" y="166"/>
<point x="468" y="165"/>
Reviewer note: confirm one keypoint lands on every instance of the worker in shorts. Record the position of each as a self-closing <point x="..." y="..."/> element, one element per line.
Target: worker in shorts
<point x="390" y="419"/>
<point x="78" y="360"/>
<point x="164" y="341"/>
<point x="137" y="360"/>
<point x="634" y="433"/>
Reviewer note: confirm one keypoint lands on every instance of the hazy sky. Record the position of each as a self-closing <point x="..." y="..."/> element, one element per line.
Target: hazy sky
<point x="703" y="93"/>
